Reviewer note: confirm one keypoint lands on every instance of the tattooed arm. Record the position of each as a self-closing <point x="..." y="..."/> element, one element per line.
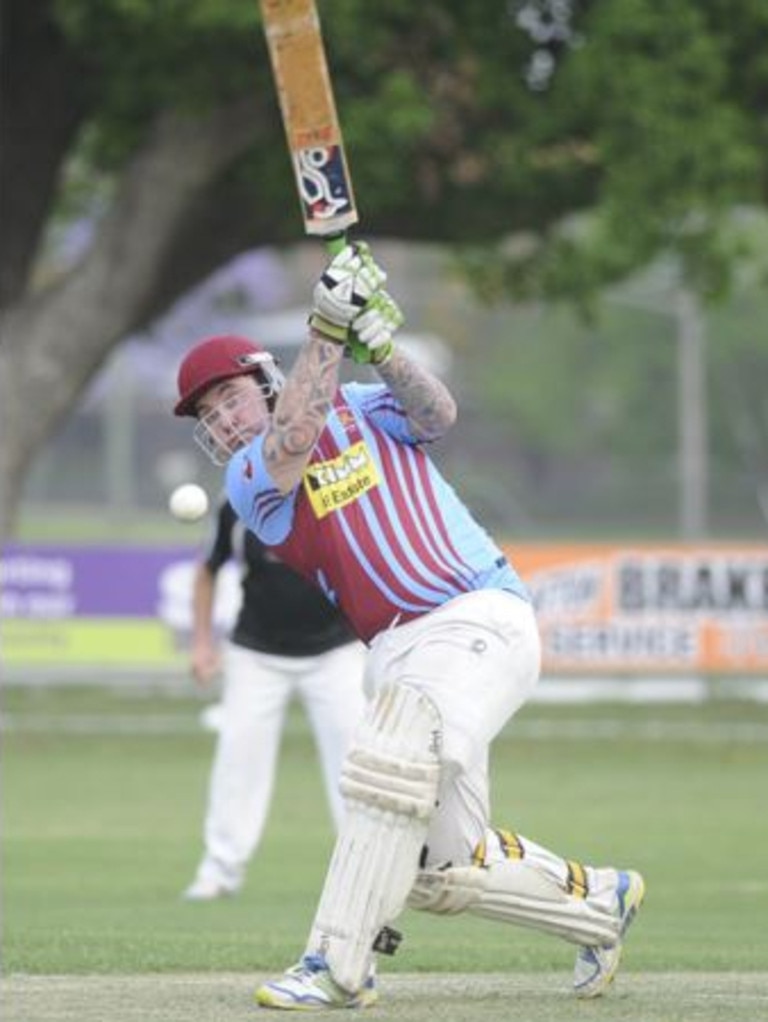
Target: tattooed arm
<point x="428" y="403"/>
<point x="301" y="410"/>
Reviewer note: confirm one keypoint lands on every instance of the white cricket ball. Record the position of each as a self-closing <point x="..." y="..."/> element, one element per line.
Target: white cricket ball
<point x="188" y="503"/>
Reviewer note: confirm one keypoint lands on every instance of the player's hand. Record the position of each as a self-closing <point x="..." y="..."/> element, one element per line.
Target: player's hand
<point x="344" y="290"/>
<point x="373" y="330"/>
<point x="205" y="662"/>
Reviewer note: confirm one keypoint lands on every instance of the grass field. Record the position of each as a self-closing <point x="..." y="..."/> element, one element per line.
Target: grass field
<point x="103" y="799"/>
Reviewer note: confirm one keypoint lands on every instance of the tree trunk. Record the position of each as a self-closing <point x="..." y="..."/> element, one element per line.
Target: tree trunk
<point x="46" y="91"/>
<point x="52" y="343"/>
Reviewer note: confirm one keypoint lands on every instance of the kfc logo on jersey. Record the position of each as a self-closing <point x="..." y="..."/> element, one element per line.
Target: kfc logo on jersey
<point x="333" y="484"/>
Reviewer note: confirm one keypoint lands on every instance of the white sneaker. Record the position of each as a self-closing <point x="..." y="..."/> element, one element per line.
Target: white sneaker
<point x="309" y="986"/>
<point x="597" y="966"/>
<point x="209" y="889"/>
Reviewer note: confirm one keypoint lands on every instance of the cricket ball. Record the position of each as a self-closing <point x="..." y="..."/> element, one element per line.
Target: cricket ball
<point x="188" y="503"/>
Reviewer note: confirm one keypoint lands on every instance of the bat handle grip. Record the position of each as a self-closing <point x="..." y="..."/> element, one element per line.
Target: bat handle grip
<point x="334" y="243"/>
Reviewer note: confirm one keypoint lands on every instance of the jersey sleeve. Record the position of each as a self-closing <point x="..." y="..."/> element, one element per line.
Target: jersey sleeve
<point x="219" y="546"/>
<point x="255" y="498"/>
<point x="378" y="404"/>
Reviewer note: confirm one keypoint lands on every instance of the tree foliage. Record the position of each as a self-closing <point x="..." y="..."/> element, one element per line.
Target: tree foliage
<point x="466" y="123"/>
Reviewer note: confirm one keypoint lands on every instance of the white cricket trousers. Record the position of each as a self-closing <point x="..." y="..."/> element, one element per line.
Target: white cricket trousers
<point x="478" y="658"/>
<point x="257" y="689"/>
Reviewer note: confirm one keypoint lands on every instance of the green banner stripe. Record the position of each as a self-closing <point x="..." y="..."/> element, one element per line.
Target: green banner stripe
<point x="121" y="642"/>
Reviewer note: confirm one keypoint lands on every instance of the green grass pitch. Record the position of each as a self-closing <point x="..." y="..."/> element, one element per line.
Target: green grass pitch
<point x="103" y="796"/>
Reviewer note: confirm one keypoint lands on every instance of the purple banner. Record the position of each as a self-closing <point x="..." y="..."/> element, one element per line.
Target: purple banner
<point x="65" y="581"/>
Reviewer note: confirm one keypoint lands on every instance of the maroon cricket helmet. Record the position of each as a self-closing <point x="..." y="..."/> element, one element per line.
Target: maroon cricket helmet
<point x="215" y="359"/>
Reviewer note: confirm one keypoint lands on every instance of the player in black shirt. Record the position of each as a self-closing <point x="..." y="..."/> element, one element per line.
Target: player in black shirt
<point x="288" y="640"/>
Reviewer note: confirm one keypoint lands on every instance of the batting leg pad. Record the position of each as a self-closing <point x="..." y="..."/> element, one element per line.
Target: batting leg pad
<point x="527" y="890"/>
<point x="389" y="783"/>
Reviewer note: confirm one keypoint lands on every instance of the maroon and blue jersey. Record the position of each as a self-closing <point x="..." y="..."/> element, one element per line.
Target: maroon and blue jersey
<point x="373" y="522"/>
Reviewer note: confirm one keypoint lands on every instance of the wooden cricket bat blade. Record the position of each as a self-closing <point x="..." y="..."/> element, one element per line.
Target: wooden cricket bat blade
<point x="308" y="108"/>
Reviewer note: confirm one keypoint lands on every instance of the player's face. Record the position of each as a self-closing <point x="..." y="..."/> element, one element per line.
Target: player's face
<point x="229" y="416"/>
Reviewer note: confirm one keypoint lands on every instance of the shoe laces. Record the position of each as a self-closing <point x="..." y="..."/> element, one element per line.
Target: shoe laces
<point x="311" y="964"/>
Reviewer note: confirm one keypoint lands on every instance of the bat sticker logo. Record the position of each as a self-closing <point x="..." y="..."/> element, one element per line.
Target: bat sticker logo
<point x="325" y="191"/>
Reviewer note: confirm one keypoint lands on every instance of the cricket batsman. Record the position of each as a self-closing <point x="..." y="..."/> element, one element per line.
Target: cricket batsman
<point x="338" y="481"/>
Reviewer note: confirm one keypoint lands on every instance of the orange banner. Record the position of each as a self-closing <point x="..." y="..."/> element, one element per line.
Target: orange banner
<point x="692" y="609"/>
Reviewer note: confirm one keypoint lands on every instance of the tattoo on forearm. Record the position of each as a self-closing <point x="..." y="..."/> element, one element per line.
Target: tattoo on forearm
<point x="303" y="405"/>
<point x="430" y="406"/>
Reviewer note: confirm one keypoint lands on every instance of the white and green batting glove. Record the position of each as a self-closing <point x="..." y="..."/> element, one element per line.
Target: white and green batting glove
<point x="342" y="293"/>
<point x="372" y="331"/>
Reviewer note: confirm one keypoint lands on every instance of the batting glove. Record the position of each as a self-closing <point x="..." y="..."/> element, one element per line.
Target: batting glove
<point x="342" y="293"/>
<point x="372" y="330"/>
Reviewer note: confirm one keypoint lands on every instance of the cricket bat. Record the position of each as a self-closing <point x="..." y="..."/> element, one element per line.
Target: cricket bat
<point x="308" y="109"/>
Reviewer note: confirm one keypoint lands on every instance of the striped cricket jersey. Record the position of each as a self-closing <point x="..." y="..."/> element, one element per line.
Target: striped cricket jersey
<point x="373" y="523"/>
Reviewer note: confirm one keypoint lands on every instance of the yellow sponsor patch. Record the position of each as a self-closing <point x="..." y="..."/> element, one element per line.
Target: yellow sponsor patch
<point x="333" y="484"/>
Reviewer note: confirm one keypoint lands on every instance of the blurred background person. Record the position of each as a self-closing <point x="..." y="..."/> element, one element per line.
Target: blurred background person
<point x="288" y="640"/>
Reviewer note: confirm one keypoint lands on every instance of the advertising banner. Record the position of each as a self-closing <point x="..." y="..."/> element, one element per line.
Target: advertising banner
<point x="649" y="609"/>
<point x="603" y="609"/>
<point x="119" y="607"/>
